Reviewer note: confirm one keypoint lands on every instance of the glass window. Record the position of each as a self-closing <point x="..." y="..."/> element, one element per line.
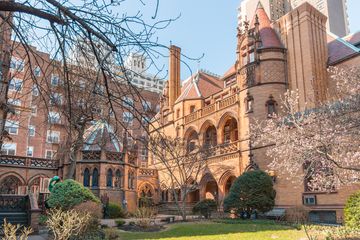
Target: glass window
<point x="95" y="178"/>
<point x="82" y="85"/>
<point x="109" y="178"/>
<point x="86" y="177"/>
<point x="12" y="127"/>
<point x="37" y="71"/>
<point x="15" y="84"/>
<point x="252" y="57"/>
<point x="35" y="90"/>
<point x="128" y="102"/>
<point x="15" y="102"/>
<point x="30" y="151"/>
<point x="31" y="130"/>
<point x="53" y="136"/>
<point x="54" y="117"/>
<point x="17" y="64"/>
<point x="55" y="99"/>
<point x="146" y="105"/>
<point x="128" y="117"/>
<point x="8" y="149"/>
<point x="55" y="80"/>
<point x="50" y="154"/>
<point x="33" y="110"/>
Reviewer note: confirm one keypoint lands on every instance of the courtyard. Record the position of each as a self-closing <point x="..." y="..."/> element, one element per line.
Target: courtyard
<point x="265" y="230"/>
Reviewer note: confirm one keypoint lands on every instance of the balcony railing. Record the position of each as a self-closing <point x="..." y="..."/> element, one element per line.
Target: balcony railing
<point x="222" y="149"/>
<point x="219" y="105"/>
<point x="28" y="162"/>
<point x="147" y="172"/>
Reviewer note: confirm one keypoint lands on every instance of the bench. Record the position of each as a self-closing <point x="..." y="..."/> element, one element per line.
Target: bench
<point x="277" y="214"/>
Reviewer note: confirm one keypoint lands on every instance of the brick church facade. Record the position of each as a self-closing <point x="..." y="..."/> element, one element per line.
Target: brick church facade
<point x="293" y="52"/>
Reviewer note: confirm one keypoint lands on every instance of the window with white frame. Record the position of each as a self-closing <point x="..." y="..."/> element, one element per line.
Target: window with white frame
<point x="55" y="99"/>
<point x="30" y="151"/>
<point x="12" y="127"/>
<point x="34" y="110"/>
<point x="55" y="80"/>
<point x="50" y="154"/>
<point x="17" y="64"/>
<point x="82" y="85"/>
<point x="35" y="90"/>
<point x="146" y="105"/>
<point x="128" y="102"/>
<point x="53" y="136"/>
<point x="251" y="57"/>
<point x="128" y="117"/>
<point x="37" y="71"/>
<point x="31" y="130"/>
<point x="54" y="117"/>
<point x="15" y="84"/>
<point x="8" y="149"/>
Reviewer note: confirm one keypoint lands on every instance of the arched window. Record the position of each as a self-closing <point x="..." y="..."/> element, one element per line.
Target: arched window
<point x="249" y="102"/>
<point x="86" y="177"/>
<point x="131" y="180"/>
<point x="119" y="178"/>
<point x="271" y="106"/>
<point x="95" y="178"/>
<point x="109" y="178"/>
<point x="10" y="185"/>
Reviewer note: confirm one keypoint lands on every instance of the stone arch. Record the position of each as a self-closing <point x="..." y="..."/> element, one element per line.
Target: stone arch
<point x="10" y="183"/>
<point x="208" y="133"/>
<point x="191" y="138"/>
<point x="228" y="128"/>
<point x="119" y="177"/>
<point x="34" y="182"/>
<point x="146" y="194"/>
<point x="226" y="181"/>
<point x="208" y="187"/>
<point x="189" y="130"/>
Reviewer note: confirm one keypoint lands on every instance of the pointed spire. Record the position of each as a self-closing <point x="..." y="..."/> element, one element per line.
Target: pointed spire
<point x="259" y="6"/>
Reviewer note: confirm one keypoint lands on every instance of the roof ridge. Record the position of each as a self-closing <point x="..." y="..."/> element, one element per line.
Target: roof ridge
<point x="346" y="43"/>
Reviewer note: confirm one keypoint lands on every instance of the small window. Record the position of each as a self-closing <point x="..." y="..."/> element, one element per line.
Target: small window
<point x="55" y="99"/>
<point x="15" y="84"/>
<point x="82" y="85"/>
<point x="30" y="151"/>
<point x="15" y="102"/>
<point x="37" y="71"/>
<point x="8" y="149"/>
<point x="12" y="127"/>
<point x="17" y="64"/>
<point x="192" y="108"/>
<point x="33" y="110"/>
<point x="35" y="90"/>
<point x="310" y="200"/>
<point x="249" y="103"/>
<point x="252" y="57"/>
<point x="128" y="117"/>
<point x="55" y="80"/>
<point x="128" y="102"/>
<point x="50" y="154"/>
<point x="53" y="136"/>
<point x="54" y="117"/>
<point x="146" y="105"/>
<point x="31" y="130"/>
<point x="109" y="178"/>
<point x="271" y="106"/>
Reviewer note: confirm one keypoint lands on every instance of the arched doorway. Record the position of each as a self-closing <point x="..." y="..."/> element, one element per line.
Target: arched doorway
<point x="193" y="194"/>
<point x="229" y="182"/>
<point x="10" y="185"/>
<point x="146" y="195"/>
<point x="209" y="188"/>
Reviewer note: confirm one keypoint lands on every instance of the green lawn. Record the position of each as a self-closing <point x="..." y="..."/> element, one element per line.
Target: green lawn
<point x="247" y="230"/>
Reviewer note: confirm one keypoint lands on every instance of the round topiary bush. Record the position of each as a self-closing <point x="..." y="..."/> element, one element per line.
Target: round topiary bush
<point x="352" y="211"/>
<point x="68" y="194"/>
<point x="251" y="191"/>
<point x="115" y="211"/>
<point x="205" y="207"/>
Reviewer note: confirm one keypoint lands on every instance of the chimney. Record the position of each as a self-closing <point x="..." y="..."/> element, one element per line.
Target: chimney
<point x="174" y="72"/>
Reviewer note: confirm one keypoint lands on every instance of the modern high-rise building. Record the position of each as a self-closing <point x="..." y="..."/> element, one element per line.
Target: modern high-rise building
<point x="335" y="10"/>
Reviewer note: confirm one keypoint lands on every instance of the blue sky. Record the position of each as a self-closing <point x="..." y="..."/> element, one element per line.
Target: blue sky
<point x="208" y="27"/>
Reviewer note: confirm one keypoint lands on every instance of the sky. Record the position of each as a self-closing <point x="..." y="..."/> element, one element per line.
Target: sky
<point x="207" y="28"/>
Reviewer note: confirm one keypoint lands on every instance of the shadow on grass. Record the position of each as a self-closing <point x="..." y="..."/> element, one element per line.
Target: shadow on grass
<point x="216" y="227"/>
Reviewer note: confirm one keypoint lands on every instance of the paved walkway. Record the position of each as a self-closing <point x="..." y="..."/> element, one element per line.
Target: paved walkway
<point x="38" y="237"/>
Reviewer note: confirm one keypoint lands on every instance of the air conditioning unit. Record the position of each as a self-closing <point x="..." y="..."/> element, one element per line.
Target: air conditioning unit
<point x="309" y="200"/>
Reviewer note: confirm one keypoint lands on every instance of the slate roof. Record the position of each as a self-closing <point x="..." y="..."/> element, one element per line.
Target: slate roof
<point x="339" y="49"/>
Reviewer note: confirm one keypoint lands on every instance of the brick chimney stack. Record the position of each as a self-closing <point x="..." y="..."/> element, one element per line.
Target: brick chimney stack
<point x="174" y="73"/>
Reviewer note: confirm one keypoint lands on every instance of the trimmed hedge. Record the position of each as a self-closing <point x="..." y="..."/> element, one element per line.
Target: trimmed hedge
<point x="352" y="211"/>
<point x="205" y="207"/>
<point x="68" y="194"/>
<point x="251" y="191"/>
<point x="115" y="211"/>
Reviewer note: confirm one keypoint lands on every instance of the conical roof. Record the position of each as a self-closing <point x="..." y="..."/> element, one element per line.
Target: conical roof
<point x="268" y="36"/>
<point x="101" y="136"/>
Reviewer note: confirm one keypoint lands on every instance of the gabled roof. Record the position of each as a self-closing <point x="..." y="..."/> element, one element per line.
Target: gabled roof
<point x="339" y="49"/>
<point x="100" y="136"/>
<point x="268" y="36"/>
<point x="200" y="85"/>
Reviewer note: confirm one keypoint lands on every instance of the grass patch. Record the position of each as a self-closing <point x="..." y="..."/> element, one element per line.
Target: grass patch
<point x="244" y="230"/>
